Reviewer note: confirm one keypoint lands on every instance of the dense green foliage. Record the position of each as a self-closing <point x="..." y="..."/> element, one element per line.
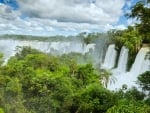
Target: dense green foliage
<point x="1" y="59"/>
<point x="34" y="82"/>
<point x="141" y="11"/>
<point x="134" y="36"/>
<point x="144" y="80"/>
<point x="129" y="38"/>
<point x="129" y="107"/>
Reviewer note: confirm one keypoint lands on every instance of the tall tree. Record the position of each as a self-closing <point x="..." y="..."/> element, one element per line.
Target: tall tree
<point x="141" y="11"/>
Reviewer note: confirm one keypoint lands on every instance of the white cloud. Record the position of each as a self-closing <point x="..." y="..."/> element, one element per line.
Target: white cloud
<point x="117" y="27"/>
<point x="78" y="11"/>
<point x="132" y="21"/>
<point x="7" y="13"/>
<point x="51" y="16"/>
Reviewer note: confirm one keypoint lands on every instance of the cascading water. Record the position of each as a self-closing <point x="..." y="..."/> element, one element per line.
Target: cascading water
<point x="140" y="65"/>
<point x="145" y="66"/>
<point x="89" y="47"/>
<point x="8" y="46"/>
<point x="110" y="58"/>
<point x="122" y="62"/>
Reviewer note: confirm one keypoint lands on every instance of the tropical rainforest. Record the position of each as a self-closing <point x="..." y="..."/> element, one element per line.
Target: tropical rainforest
<point x="36" y="82"/>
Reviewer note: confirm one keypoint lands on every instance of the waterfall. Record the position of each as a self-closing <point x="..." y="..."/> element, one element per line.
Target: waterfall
<point x="122" y="62"/>
<point x="8" y="46"/>
<point x="89" y="47"/>
<point x="140" y="64"/>
<point x="145" y="66"/>
<point x="110" y="58"/>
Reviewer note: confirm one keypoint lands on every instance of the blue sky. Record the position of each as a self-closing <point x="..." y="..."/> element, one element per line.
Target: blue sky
<point x="63" y="17"/>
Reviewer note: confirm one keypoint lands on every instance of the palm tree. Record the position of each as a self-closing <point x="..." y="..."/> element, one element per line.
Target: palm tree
<point x="106" y="77"/>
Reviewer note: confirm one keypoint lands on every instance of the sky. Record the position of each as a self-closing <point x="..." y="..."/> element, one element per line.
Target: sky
<point x="63" y="17"/>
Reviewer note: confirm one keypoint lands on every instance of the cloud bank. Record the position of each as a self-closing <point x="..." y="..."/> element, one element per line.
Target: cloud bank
<point x="46" y="17"/>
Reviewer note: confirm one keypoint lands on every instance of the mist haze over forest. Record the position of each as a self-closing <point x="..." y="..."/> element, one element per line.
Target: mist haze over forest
<point x="76" y="56"/>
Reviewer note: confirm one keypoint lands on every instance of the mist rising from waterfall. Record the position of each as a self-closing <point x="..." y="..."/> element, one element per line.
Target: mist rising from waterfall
<point x="8" y="47"/>
<point x="101" y="56"/>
